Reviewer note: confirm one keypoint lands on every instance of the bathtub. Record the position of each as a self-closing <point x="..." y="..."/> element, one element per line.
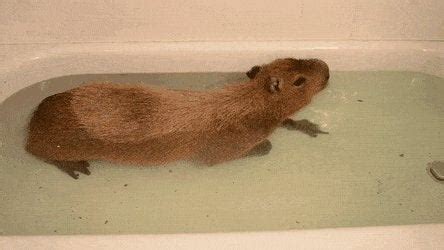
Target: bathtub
<point x="44" y="61"/>
<point x="25" y="64"/>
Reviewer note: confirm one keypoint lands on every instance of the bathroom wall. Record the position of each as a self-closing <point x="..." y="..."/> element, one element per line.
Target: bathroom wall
<point x="59" y="21"/>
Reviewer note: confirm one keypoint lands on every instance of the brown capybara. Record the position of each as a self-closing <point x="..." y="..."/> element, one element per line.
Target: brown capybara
<point x="151" y="125"/>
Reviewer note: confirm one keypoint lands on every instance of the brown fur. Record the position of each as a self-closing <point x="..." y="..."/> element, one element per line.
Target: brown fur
<point x="148" y="125"/>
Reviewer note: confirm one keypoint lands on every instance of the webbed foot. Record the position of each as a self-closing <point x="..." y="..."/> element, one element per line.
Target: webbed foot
<point x="260" y="149"/>
<point x="71" y="167"/>
<point x="305" y="126"/>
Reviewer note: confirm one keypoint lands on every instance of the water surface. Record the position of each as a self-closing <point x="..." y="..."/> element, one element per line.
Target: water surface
<point x="369" y="171"/>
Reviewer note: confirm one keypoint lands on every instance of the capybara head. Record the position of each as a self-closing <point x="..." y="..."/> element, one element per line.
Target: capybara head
<point x="291" y="80"/>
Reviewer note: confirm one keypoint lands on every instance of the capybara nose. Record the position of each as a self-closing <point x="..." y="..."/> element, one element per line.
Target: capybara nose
<point x="321" y="67"/>
<point x="323" y="70"/>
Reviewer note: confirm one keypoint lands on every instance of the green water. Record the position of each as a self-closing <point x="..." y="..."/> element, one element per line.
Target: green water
<point x="369" y="171"/>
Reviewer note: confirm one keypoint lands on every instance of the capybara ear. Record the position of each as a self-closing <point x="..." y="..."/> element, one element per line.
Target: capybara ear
<point x="275" y="85"/>
<point x="253" y="71"/>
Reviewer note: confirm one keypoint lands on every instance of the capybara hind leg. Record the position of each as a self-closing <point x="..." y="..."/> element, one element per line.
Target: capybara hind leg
<point x="260" y="149"/>
<point x="305" y="126"/>
<point x="71" y="167"/>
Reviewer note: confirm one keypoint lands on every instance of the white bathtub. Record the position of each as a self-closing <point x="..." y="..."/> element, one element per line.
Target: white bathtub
<point x="23" y="65"/>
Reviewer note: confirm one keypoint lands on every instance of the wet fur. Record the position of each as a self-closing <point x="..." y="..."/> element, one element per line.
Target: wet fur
<point x="146" y="125"/>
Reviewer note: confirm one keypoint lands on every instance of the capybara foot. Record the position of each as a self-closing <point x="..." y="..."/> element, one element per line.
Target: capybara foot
<point x="260" y="149"/>
<point x="71" y="167"/>
<point x="305" y="126"/>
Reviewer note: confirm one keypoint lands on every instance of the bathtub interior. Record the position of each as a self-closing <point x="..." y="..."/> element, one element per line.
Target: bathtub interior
<point x="371" y="170"/>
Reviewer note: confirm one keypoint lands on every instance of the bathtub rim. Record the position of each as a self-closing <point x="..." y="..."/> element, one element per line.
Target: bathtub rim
<point x="22" y="65"/>
<point x="422" y="236"/>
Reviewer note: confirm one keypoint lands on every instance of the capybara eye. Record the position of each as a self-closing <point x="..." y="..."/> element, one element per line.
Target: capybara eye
<point x="300" y="81"/>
